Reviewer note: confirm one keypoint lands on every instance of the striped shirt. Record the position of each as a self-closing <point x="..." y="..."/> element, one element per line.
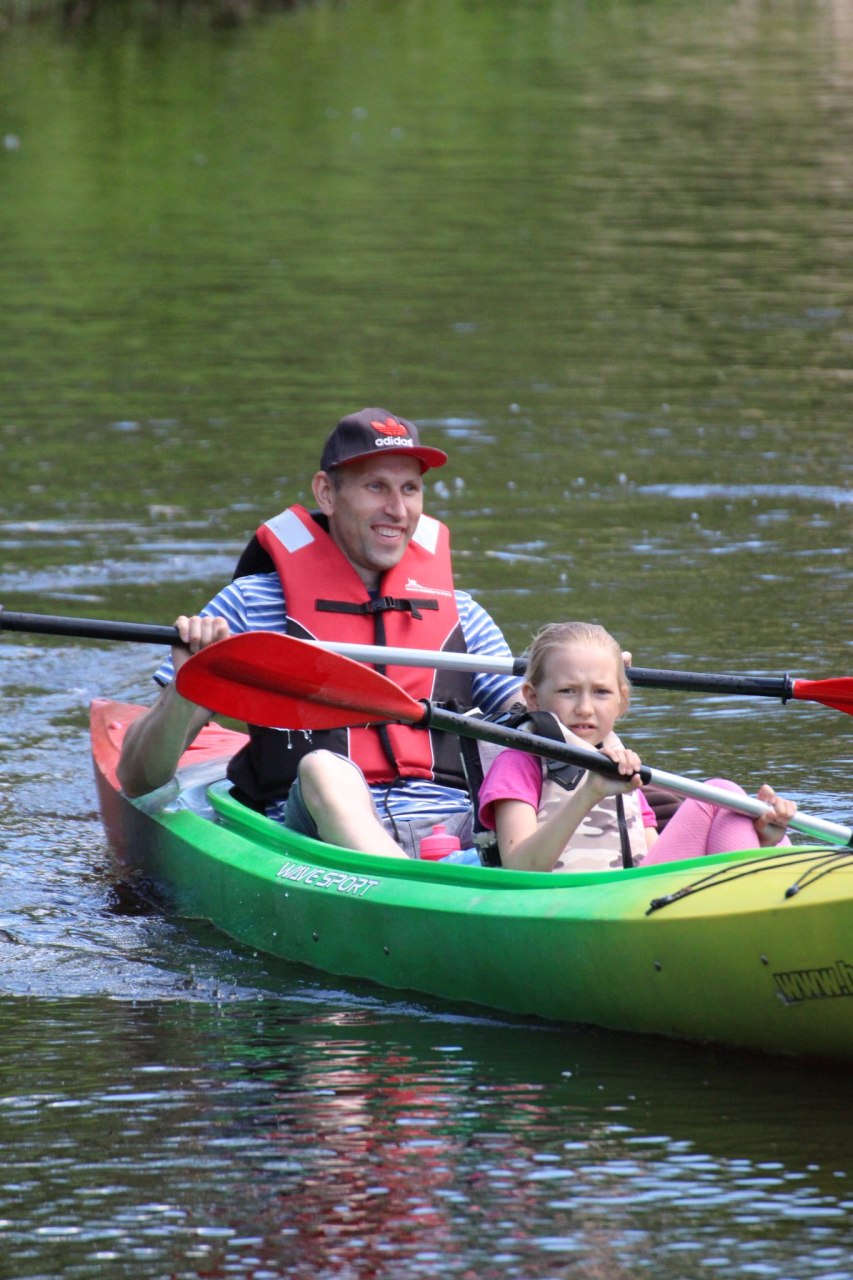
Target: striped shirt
<point x="256" y="603"/>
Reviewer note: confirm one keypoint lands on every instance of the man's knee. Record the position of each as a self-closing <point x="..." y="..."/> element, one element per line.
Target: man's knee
<point x="326" y="777"/>
<point x="315" y="767"/>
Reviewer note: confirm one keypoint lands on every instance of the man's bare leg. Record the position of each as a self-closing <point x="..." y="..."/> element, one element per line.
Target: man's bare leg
<point x="336" y="796"/>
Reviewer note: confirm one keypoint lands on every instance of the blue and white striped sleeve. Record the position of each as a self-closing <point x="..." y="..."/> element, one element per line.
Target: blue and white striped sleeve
<point x="254" y="603"/>
<point x="484" y="636"/>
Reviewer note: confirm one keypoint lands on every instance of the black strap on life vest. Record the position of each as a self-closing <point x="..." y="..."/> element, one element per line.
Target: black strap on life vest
<point x="381" y="604"/>
<point x="376" y="606"/>
<point x="624" y="840"/>
<point x="382" y="729"/>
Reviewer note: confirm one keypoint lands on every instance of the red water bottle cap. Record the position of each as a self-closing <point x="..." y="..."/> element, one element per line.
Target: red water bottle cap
<point x="439" y="844"/>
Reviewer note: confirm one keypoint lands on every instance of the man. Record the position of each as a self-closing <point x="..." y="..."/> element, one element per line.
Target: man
<point x="366" y="566"/>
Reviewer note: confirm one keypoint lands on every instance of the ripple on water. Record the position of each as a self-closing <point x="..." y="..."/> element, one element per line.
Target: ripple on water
<point x="832" y="495"/>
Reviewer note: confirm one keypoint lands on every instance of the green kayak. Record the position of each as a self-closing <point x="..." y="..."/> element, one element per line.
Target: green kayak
<point x="746" y="949"/>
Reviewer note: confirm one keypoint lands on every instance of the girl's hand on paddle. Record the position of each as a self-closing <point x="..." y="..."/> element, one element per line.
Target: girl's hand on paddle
<point x="772" y="828"/>
<point x="629" y="765"/>
<point x="197" y="633"/>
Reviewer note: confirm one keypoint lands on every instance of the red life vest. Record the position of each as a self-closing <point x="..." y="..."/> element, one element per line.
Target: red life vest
<point x="415" y="607"/>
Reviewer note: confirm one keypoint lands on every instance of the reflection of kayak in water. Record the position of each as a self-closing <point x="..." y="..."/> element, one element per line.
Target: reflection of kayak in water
<point x="716" y="949"/>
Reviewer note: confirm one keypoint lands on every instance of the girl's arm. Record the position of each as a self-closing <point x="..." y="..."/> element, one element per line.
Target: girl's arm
<point x="527" y="845"/>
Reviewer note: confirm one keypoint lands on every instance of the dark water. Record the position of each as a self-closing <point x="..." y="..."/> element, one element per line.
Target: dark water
<point x="330" y="1133"/>
<point x="601" y="254"/>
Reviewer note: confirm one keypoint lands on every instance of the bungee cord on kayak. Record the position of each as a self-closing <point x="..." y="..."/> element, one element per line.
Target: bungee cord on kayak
<point x="829" y="861"/>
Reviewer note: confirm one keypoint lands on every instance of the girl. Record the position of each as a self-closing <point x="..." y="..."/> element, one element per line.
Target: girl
<point x="548" y="822"/>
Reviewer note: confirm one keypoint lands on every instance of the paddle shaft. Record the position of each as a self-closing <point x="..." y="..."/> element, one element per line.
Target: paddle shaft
<point x="754" y="686"/>
<point x="87" y="628"/>
<point x="535" y="744"/>
<point x="148" y="633"/>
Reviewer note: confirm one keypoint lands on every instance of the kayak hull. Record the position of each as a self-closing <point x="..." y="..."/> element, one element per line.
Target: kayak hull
<point x="726" y="949"/>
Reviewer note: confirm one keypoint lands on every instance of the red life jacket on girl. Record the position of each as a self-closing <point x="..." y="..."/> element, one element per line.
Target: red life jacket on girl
<point x="325" y="599"/>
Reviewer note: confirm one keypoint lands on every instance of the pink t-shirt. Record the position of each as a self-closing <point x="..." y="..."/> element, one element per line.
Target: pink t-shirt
<point x="517" y="775"/>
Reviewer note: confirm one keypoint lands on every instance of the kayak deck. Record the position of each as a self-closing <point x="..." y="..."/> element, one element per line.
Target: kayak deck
<point x="749" y="949"/>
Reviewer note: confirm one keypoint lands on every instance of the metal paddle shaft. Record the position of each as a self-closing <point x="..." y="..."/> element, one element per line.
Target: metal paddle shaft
<point x="280" y="682"/>
<point x="836" y="693"/>
<point x="754" y="686"/>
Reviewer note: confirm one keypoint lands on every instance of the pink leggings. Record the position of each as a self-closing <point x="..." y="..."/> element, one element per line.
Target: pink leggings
<point x="698" y="828"/>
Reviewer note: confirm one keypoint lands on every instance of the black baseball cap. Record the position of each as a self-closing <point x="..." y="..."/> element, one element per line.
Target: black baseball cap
<point x="373" y="432"/>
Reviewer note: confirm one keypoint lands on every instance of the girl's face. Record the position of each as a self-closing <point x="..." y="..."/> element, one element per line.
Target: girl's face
<point x="581" y="687"/>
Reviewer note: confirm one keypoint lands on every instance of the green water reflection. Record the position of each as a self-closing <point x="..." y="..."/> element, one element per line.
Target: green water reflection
<point x="636" y="211"/>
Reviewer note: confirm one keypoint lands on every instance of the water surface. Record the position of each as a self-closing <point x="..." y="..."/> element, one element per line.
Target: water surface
<point x="601" y="255"/>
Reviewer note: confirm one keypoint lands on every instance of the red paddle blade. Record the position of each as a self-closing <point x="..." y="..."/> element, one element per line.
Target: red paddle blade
<point x="269" y="679"/>
<point x="836" y="693"/>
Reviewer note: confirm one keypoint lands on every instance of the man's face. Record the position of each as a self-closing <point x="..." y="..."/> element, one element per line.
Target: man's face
<point x="374" y="513"/>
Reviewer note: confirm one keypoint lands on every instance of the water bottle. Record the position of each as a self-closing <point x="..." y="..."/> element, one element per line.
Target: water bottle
<point x="439" y="844"/>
